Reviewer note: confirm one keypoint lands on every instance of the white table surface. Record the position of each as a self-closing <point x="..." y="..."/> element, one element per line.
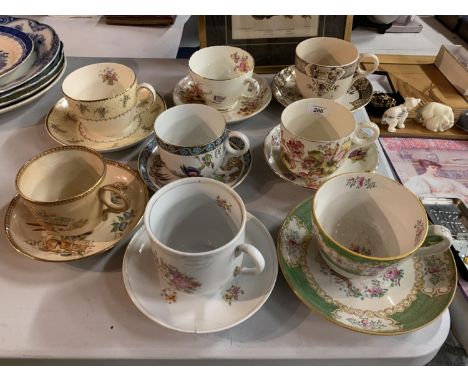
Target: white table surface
<point x="80" y="311"/>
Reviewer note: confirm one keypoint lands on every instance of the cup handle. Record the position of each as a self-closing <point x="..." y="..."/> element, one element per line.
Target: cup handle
<point x="361" y="72"/>
<point x="148" y="87"/>
<point x="363" y="142"/>
<point x="438" y="239"/>
<point x="111" y="206"/>
<point x="255" y="255"/>
<point x="253" y="88"/>
<point x="233" y="151"/>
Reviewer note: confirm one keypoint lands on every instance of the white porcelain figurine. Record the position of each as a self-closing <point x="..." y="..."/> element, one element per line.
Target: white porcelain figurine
<point x="396" y="115"/>
<point x="436" y="116"/>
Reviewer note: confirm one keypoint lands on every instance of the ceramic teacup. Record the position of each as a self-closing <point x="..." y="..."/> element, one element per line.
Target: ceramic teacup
<point x="193" y="140"/>
<point x="366" y="223"/>
<point x="104" y="98"/>
<point x="63" y="188"/>
<point x="196" y="228"/>
<point x="222" y="75"/>
<point x="316" y="136"/>
<point x="326" y="67"/>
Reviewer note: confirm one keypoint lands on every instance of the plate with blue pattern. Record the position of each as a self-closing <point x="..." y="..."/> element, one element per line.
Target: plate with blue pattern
<point x="154" y="172"/>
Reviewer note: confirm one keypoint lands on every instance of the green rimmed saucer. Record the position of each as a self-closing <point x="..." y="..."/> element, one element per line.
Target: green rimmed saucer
<point x="398" y="300"/>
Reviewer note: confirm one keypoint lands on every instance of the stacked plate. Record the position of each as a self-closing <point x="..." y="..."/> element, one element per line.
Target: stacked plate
<point x="31" y="61"/>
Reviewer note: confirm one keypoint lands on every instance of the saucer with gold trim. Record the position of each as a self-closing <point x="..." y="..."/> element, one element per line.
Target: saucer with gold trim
<point x="397" y="300"/>
<point x="31" y="240"/>
<point x="358" y="160"/>
<point x="286" y="92"/>
<point x="65" y="129"/>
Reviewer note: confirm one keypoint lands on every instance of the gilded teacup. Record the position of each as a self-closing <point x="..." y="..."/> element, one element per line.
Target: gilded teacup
<point x="63" y="188"/>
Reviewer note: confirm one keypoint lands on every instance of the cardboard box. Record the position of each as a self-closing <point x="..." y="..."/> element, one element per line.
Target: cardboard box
<point x="452" y="61"/>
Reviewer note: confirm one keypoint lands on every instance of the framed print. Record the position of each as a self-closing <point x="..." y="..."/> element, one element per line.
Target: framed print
<point x="271" y="40"/>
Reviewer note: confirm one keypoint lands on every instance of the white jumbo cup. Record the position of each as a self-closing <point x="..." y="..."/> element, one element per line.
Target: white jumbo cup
<point x="196" y="228"/>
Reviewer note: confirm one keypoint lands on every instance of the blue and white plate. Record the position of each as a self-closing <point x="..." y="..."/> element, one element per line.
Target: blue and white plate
<point x="15" y="49"/>
<point x="154" y="172"/>
<point x="46" y="49"/>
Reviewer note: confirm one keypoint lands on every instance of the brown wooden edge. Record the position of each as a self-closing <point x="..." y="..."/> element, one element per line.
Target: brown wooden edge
<point x="402" y="59"/>
<point x="348" y="28"/>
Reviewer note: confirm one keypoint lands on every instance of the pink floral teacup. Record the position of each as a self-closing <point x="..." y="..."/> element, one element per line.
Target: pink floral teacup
<point x="316" y="136"/>
<point x="221" y="75"/>
<point x="196" y="229"/>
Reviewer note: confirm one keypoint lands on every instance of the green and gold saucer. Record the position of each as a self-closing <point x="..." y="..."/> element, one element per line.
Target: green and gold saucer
<point x="30" y="239"/>
<point x="398" y="300"/>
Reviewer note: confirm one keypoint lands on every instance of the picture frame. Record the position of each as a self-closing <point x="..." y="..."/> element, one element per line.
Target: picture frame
<point x="271" y="40"/>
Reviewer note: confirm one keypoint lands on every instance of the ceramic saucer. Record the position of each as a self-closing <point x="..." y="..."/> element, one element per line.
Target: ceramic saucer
<point x="66" y="130"/>
<point x="358" y="160"/>
<point x="400" y="299"/>
<point x="27" y="237"/>
<point x="186" y="92"/>
<point x="286" y="92"/>
<point x="156" y="175"/>
<point x="233" y="304"/>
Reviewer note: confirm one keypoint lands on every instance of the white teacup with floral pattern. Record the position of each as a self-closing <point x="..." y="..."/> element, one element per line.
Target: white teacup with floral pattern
<point x="326" y="67"/>
<point x="104" y="98"/>
<point x="196" y="228"/>
<point x="193" y="140"/>
<point x="63" y="188"/>
<point x="316" y="136"/>
<point x="222" y="75"/>
<point x="365" y="223"/>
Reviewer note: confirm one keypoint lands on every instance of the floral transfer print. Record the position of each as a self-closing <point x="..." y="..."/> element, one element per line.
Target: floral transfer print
<point x="223" y="204"/>
<point x="434" y="269"/>
<point x="205" y="161"/>
<point x="364" y="288"/>
<point x="361" y="249"/>
<point x="169" y="295"/>
<point x="321" y="87"/>
<point x="192" y="93"/>
<point x="366" y="323"/>
<point x="64" y="245"/>
<point x="120" y="222"/>
<point x="358" y="182"/>
<point x="241" y="62"/>
<point x="314" y="164"/>
<point x="108" y="76"/>
<point x="294" y="241"/>
<point x="249" y="106"/>
<point x="3" y="58"/>
<point x="358" y="155"/>
<point x="232" y="294"/>
<point x="419" y="228"/>
<point x="177" y="279"/>
<point x="54" y="223"/>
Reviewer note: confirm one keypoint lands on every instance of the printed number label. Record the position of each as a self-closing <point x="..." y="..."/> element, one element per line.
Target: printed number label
<point x="320" y="110"/>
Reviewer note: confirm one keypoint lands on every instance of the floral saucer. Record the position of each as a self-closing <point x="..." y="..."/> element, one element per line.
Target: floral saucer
<point x="28" y="238"/>
<point x="400" y="299"/>
<point x="66" y="130"/>
<point x="358" y="160"/>
<point x="156" y="175"/>
<point x="187" y="92"/>
<point x="234" y="303"/>
<point x="285" y="90"/>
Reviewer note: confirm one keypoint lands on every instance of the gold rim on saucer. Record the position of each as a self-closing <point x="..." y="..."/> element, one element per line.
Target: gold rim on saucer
<point x="31" y="240"/>
<point x="64" y="128"/>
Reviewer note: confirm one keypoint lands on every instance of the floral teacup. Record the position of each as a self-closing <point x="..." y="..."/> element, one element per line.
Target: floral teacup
<point x="104" y="97"/>
<point x="193" y="140"/>
<point x="326" y="67"/>
<point x="196" y="229"/>
<point x="222" y="75"/>
<point x="367" y="223"/>
<point x="63" y="188"/>
<point x="316" y="136"/>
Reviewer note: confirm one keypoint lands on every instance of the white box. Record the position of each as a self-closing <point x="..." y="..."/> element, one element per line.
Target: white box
<point x="452" y="61"/>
